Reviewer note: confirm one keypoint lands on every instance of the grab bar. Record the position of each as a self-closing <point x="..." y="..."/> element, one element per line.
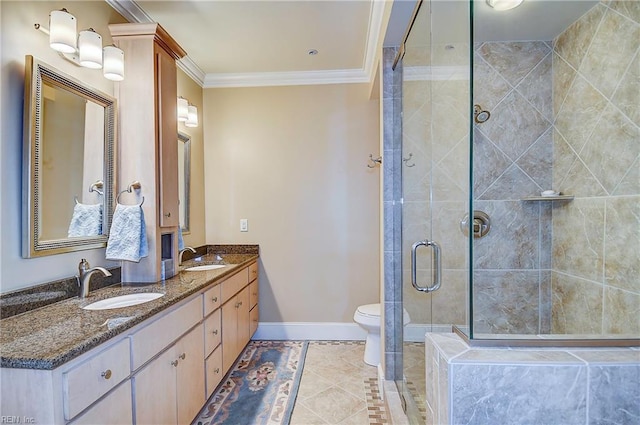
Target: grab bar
<point x="437" y="266"/>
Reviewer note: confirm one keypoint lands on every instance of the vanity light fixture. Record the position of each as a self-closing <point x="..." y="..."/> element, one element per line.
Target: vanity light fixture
<point x="84" y="49"/>
<point x="192" y="120"/>
<point x="62" y="37"/>
<point x="183" y="109"/>
<point x="504" y="4"/>
<point x="90" y="49"/>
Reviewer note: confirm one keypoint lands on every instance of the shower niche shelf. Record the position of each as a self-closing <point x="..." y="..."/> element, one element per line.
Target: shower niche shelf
<point x="548" y="198"/>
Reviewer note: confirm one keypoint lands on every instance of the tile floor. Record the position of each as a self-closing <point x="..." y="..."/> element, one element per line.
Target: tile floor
<point x="338" y="387"/>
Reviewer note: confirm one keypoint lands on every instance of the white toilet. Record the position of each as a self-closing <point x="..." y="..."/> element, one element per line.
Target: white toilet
<point x="368" y="317"/>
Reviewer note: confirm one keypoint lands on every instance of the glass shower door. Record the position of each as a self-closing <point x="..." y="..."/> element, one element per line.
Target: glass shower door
<point x="435" y="189"/>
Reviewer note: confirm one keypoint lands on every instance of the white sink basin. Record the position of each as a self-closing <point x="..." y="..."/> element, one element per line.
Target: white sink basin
<point x="123" y="301"/>
<point x="204" y="268"/>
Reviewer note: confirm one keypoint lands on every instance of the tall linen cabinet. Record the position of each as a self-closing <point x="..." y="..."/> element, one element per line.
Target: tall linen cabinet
<point x="148" y="149"/>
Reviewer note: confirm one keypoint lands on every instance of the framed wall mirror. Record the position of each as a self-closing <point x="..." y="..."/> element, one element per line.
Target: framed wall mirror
<point x="184" y="179"/>
<point x="68" y="159"/>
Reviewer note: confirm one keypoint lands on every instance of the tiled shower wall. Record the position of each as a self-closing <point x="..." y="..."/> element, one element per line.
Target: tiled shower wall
<point x="558" y="121"/>
<point x="512" y="159"/>
<point x="596" y="238"/>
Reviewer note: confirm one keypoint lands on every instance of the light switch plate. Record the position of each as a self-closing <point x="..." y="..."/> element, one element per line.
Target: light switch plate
<point x="244" y="225"/>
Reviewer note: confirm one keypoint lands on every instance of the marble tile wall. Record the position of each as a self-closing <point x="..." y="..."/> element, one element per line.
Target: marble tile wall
<point x="596" y="237"/>
<point x="475" y="385"/>
<point x="513" y="159"/>
<point x="392" y="214"/>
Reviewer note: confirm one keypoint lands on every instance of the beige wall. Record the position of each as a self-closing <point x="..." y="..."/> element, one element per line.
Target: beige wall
<point x="292" y="160"/>
<point x="19" y="38"/>
<point x="191" y="91"/>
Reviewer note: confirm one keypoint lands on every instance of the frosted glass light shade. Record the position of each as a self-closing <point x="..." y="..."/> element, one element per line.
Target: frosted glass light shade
<point x="504" y="4"/>
<point x="90" y="49"/>
<point x="113" y="63"/>
<point x="62" y="31"/>
<point x="183" y="109"/>
<point x="192" y="120"/>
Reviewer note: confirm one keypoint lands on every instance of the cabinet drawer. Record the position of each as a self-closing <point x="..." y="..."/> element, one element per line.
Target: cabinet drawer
<point x="253" y="294"/>
<point x="93" y="378"/>
<point x="152" y="339"/>
<point x="212" y="300"/>
<point x="115" y="408"/>
<point x="214" y="372"/>
<point x="253" y="272"/>
<point x="212" y="332"/>
<point x="254" y="316"/>
<point x="234" y="284"/>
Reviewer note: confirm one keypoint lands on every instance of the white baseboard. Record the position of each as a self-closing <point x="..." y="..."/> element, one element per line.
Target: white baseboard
<point x="416" y="333"/>
<point x="320" y="331"/>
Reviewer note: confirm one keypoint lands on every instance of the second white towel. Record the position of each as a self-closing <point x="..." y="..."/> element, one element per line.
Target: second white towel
<point x="128" y="234"/>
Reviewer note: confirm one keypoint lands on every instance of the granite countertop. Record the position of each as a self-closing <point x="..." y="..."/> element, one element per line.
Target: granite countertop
<point x="50" y="336"/>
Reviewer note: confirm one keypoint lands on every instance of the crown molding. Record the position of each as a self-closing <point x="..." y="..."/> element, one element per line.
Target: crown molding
<point x="262" y="79"/>
<point x="374" y="35"/>
<point x="130" y="10"/>
<point x="192" y="70"/>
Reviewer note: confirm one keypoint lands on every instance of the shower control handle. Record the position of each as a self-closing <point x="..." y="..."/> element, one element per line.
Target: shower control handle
<point x="437" y="266"/>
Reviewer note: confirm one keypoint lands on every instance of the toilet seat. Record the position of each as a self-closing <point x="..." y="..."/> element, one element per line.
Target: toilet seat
<point x="369" y="310"/>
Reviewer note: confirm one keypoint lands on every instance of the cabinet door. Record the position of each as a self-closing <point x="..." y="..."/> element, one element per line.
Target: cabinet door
<point x="113" y="409"/>
<point x="167" y="124"/>
<point x="229" y="333"/>
<point x="244" y="322"/>
<point x="155" y="391"/>
<point x="190" y="375"/>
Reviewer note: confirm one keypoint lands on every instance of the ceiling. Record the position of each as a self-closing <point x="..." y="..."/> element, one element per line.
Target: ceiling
<point x="235" y="43"/>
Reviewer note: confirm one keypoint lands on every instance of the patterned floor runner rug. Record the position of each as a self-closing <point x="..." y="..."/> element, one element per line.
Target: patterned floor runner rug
<point x="261" y="388"/>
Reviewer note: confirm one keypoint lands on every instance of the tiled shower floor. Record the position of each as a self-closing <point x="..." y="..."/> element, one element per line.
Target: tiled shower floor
<point x="337" y="387"/>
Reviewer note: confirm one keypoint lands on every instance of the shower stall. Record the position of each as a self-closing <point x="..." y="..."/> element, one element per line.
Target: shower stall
<point x="512" y="180"/>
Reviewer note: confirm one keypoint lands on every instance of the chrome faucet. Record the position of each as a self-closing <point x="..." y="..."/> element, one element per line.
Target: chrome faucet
<point x="182" y="251"/>
<point x="84" y="276"/>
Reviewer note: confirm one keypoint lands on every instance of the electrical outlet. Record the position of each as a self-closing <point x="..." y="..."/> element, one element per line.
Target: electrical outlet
<point x="244" y="225"/>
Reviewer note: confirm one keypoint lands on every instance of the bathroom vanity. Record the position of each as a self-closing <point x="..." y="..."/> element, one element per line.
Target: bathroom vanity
<point x="155" y="362"/>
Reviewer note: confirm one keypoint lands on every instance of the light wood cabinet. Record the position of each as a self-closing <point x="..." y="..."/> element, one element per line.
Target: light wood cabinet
<point x="167" y="95"/>
<point x="147" y="103"/>
<point x="115" y="408"/>
<point x="214" y="370"/>
<point x="170" y="389"/>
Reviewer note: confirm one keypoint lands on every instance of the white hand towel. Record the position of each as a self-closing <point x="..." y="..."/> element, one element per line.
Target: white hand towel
<point x="128" y="234"/>
<point x="86" y="220"/>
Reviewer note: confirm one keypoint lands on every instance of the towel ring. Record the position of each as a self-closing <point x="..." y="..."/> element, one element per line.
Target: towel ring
<point x="96" y="187"/>
<point x="133" y="186"/>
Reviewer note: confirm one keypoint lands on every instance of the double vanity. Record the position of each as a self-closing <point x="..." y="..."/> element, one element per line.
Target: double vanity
<point x="154" y="362"/>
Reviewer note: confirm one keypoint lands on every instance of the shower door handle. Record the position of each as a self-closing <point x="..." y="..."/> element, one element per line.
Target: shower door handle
<point x="437" y="266"/>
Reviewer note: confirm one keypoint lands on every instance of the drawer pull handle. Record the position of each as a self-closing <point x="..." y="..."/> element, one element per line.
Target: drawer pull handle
<point x="106" y="374"/>
<point x="182" y="356"/>
<point x="217" y="370"/>
<point x="215" y="332"/>
<point x="240" y="303"/>
<point x="214" y="299"/>
<point x="174" y="363"/>
<point x="168" y="215"/>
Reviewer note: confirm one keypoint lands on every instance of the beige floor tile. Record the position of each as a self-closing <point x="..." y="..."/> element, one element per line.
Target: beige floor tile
<point x="359" y="418"/>
<point x="303" y="416"/>
<point x="334" y="405"/>
<point x="311" y="384"/>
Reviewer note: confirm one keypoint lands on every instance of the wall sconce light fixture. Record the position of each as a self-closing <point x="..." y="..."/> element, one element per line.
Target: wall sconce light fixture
<point x="187" y="112"/>
<point x="183" y="109"/>
<point x="192" y="120"/>
<point x="84" y="49"/>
